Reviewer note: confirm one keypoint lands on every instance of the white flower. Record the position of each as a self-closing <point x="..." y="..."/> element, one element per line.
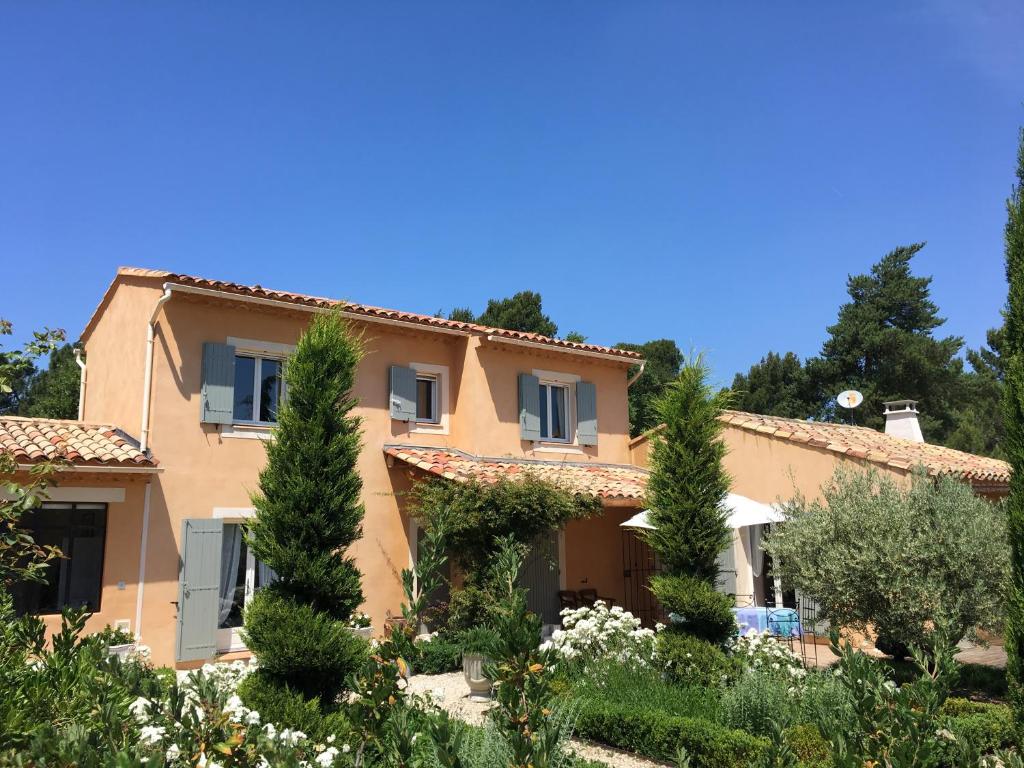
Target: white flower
<point x="173" y="753"/>
<point x="140" y="709"/>
<point x="252" y="717"/>
<point x="330" y="739"/>
<point x="270" y="730"/>
<point x="151" y="734"/>
<point x="326" y="757"/>
<point x="346" y="748"/>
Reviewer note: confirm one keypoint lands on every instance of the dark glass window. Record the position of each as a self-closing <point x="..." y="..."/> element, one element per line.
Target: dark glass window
<point x="245" y="373"/>
<point x="426" y="399"/>
<point x="257" y="398"/>
<point x="79" y="530"/>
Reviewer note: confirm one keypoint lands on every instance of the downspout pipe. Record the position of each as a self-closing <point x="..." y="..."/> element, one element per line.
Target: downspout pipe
<point x="632" y="381"/>
<point x="148" y="378"/>
<point x="81" y="383"/>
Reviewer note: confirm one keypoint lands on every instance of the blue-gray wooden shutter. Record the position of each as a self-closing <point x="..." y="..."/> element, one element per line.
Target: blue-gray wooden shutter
<point x="402" y="397"/>
<point x="727" y="573"/>
<point x="199" y="588"/>
<point x="586" y="413"/>
<point x="217" y="394"/>
<point x="539" y="575"/>
<point x="529" y="407"/>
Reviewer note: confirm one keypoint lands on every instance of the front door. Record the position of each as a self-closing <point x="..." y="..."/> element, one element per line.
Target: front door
<point x="640" y="563"/>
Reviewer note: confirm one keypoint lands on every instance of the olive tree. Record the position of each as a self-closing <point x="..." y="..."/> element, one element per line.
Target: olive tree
<point x="898" y="559"/>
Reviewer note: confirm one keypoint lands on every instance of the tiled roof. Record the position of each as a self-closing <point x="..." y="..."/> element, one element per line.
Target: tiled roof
<point x="875" y="447"/>
<point x="258" y="291"/>
<point x="606" y="481"/>
<point x="86" y="445"/>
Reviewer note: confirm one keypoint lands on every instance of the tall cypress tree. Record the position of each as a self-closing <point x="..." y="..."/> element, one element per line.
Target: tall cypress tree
<point x="685" y="491"/>
<point x="1013" y="404"/>
<point x="308" y="513"/>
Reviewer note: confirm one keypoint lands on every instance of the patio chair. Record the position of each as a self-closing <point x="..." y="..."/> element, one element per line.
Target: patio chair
<point x="568" y="599"/>
<point x="589" y="596"/>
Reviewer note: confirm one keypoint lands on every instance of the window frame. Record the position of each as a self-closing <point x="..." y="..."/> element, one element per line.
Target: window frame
<point x="256" y="348"/>
<point x="434" y="409"/>
<point x="546" y="407"/>
<point x="567" y="381"/>
<point x="441" y="399"/>
<point x="229" y="639"/>
<point x="257" y="391"/>
<point x="62" y="567"/>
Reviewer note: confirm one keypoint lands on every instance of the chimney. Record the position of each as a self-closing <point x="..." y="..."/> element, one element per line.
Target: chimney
<point x="901" y="420"/>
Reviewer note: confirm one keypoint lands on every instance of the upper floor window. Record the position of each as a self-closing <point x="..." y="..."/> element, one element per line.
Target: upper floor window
<point x="73" y="581"/>
<point x="426" y="398"/>
<point x="258" y="389"/>
<point x="554" y="402"/>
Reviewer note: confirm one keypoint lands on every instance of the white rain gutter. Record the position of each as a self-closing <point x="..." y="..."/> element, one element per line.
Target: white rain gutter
<point x="81" y="383"/>
<point x="557" y="348"/>
<point x="632" y="380"/>
<point x="288" y="305"/>
<point x="142" y="563"/>
<point x="148" y="378"/>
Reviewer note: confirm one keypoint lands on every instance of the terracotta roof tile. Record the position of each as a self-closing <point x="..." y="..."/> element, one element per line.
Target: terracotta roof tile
<point x="876" y="447"/>
<point x="606" y="481"/>
<point x="259" y="291"/>
<point x="32" y="440"/>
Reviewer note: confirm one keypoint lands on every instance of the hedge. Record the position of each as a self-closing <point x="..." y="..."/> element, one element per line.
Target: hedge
<point x="437" y="656"/>
<point x="659" y="735"/>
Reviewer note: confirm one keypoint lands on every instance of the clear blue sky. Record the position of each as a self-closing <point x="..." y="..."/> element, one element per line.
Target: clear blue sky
<point x="653" y="169"/>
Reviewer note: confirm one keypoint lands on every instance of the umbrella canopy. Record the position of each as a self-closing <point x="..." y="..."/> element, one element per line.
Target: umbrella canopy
<point x="741" y="510"/>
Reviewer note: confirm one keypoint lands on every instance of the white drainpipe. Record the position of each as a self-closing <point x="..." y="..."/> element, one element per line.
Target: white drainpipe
<point x="148" y="379"/>
<point x="81" y="384"/>
<point x="632" y="381"/>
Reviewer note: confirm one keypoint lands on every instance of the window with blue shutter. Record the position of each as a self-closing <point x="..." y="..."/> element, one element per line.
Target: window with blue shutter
<point x="199" y="588"/>
<point x="529" y="407"/>
<point x="402" y="394"/>
<point x="586" y="413"/>
<point x="217" y="393"/>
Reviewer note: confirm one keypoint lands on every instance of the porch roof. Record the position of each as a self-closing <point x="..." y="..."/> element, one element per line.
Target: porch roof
<point x="611" y="482"/>
<point x="30" y="441"/>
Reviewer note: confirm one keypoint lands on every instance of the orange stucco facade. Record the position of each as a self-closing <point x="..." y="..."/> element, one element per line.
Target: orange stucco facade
<point x="209" y="470"/>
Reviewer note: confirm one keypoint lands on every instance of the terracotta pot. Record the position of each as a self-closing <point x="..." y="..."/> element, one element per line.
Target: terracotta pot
<point x="473" y="670"/>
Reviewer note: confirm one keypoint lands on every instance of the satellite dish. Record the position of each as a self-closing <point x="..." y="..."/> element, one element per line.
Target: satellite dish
<point x="851" y="398"/>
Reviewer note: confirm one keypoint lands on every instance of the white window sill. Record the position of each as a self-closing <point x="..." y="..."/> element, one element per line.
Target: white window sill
<point x="558" y="448"/>
<point x="427" y="428"/>
<point x="247" y="431"/>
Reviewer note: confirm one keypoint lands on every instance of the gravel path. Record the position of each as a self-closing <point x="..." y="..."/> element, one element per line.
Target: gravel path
<point x="450" y="692"/>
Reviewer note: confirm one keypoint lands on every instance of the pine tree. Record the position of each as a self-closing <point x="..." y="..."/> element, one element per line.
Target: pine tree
<point x="662" y="362"/>
<point x="776" y="386"/>
<point x="308" y="513"/>
<point x="685" y="491"/>
<point x="1013" y="404"/>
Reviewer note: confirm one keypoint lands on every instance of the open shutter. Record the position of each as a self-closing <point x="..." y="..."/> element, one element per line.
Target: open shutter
<point x="529" y="407"/>
<point x="403" y="393"/>
<point x="586" y="413"/>
<point x="218" y="389"/>
<point x="199" y="588"/>
<point x="726" y="583"/>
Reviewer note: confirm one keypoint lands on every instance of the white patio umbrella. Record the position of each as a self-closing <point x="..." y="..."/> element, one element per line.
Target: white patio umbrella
<point x="741" y="510"/>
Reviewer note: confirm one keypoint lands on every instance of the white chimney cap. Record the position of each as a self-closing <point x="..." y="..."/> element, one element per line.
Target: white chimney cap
<point x="901" y="420"/>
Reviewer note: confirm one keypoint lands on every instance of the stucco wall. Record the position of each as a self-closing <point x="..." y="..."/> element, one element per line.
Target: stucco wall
<point x="203" y="469"/>
<point x="593" y="553"/>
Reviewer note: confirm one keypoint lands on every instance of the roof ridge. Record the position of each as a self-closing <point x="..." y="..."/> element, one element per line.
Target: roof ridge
<point x="47" y="420"/>
<point x="515" y="459"/>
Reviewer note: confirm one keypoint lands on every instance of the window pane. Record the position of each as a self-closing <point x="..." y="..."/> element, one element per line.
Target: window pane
<point x="425" y="388"/>
<point x="544" y="410"/>
<point x="245" y="370"/>
<point x="233" y="556"/>
<point x="270" y="389"/>
<point x="558" y="413"/>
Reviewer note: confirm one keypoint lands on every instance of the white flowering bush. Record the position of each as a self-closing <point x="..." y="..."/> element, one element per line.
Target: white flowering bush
<point x="600" y="633"/>
<point x="202" y="722"/>
<point x="763" y="652"/>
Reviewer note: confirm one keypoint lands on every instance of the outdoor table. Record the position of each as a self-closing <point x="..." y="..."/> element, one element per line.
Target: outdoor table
<point x="783" y="622"/>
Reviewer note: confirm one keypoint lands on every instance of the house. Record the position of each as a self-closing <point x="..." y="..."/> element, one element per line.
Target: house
<point x="771" y="459"/>
<point x="191" y="367"/>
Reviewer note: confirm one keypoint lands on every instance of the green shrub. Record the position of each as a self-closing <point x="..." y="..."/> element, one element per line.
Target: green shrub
<point x="478" y="640"/>
<point x="982" y="727"/>
<point x="643" y="689"/>
<point x="826" y="703"/>
<point x="279" y="704"/>
<point x="688" y="660"/>
<point x="696" y="608"/>
<point x="808" y="745"/>
<point x="469" y="607"/>
<point x="759" y="700"/>
<point x="436" y="656"/>
<point x="659" y="735"/>
<point x="279" y="627"/>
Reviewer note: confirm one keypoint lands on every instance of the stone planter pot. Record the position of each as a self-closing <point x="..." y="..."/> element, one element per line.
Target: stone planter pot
<point x="121" y="651"/>
<point x="364" y="632"/>
<point x="473" y="670"/>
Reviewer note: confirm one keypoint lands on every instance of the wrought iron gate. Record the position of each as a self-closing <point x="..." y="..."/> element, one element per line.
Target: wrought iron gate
<point x="640" y="563"/>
